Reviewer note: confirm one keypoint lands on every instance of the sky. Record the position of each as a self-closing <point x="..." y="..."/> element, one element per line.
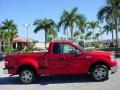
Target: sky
<point x="27" y="11"/>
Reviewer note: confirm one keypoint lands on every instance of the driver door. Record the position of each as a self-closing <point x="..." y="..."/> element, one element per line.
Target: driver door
<point x="72" y="60"/>
<point x="64" y="60"/>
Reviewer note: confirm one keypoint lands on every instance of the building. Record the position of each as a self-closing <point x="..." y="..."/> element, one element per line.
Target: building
<point x="40" y="46"/>
<point x="18" y="43"/>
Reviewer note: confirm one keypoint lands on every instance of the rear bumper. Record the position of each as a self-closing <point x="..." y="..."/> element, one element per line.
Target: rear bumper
<point x="5" y="71"/>
<point x="10" y="70"/>
<point x="114" y="69"/>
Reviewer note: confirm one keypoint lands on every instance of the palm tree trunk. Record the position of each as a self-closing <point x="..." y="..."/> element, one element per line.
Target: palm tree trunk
<point x="45" y="39"/>
<point x="67" y="33"/>
<point x="11" y="43"/>
<point x="112" y="38"/>
<point x="112" y="34"/>
<point x="93" y="37"/>
<point x="116" y="31"/>
<point x="8" y="42"/>
<point x="3" y="42"/>
<point x="71" y="34"/>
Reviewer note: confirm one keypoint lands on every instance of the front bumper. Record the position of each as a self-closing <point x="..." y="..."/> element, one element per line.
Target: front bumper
<point x="114" y="69"/>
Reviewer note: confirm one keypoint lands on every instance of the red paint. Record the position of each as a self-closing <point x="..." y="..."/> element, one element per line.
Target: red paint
<point x="49" y="63"/>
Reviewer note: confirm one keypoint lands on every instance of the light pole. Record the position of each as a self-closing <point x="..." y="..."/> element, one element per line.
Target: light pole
<point x="27" y="26"/>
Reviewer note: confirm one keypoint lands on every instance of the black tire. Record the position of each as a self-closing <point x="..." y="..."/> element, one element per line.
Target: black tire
<point x="27" y="76"/>
<point x="99" y="73"/>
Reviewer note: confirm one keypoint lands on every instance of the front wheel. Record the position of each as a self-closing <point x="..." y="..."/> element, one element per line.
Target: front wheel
<point x="27" y="76"/>
<point x="99" y="73"/>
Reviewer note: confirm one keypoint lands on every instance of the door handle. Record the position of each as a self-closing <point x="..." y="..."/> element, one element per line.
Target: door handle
<point x="61" y="58"/>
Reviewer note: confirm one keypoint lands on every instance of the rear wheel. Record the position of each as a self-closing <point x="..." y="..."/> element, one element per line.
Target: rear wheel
<point x="99" y="73"/>
<point x="27" y="76"/>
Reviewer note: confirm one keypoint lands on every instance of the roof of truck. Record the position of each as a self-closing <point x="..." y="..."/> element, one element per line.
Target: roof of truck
<point x="62" y="41"/>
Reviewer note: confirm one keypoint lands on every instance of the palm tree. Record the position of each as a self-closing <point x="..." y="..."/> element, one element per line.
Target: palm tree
<point x="81" y="23"/>
<point x="93" y="25"/>
<point x="97" y="35"/>
<point x="12" y="35"/>
<point x="70" y="20"/>
<point x="48" y="25"/>
<point x="9" y="27"/>
<point x="76" y="34"/>
<point x="52" y="34"/>
<point x="111" y="11"/>
<point x="109" y="28"/>
<point x="88" y="35"/>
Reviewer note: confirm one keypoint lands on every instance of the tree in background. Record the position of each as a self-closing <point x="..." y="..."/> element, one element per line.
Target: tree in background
<point x="109" y="29"/>
<point x="93" y="25"/>
<point x="70" y="21"/>
<point x="88" y="35"/>
<point x="9" y="30"/>
<point x="97" y="35"/>
<point x="48" y="25"/>
<point x="111" y="11"/>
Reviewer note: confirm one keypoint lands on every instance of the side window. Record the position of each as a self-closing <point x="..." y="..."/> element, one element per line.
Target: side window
<point x="68" y="49"/>
<point x="57" y="48"/>
<point x="63" y="49"/>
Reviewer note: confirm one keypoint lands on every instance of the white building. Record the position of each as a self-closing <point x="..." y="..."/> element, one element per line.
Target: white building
<point x="40" y="45"/>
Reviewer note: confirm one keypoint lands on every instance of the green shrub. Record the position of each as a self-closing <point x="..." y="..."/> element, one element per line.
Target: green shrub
<point x="117" y="50"/>
<point x="28" y="48"/>
<point x="97" y="45"/>
<point x="9" y="51"/>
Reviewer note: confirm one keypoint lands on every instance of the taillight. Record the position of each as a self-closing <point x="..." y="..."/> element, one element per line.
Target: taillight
<point x="8" y="59"/>
<point x="6" y="63"/>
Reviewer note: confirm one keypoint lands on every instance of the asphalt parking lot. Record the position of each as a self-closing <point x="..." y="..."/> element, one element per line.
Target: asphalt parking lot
<point x="60" y="83"/>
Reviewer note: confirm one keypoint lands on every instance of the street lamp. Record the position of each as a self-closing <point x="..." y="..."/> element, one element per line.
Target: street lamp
<point x="27" y="26"/>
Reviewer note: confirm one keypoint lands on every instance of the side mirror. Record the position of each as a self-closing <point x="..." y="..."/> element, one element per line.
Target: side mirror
<point x="77" y="52"/>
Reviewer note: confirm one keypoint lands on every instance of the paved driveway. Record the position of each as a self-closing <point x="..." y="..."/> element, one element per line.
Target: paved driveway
<point x="60" y="83"/>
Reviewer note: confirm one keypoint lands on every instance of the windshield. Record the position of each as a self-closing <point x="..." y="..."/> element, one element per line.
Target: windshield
<point x="82" y="48"/>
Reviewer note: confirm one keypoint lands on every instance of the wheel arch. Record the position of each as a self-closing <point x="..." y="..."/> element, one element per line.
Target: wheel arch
<point x="98" y="63"/>
<point x="26" y="66"/>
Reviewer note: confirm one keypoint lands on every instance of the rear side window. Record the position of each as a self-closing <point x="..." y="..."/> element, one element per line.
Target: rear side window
<point x="57" y="48"/>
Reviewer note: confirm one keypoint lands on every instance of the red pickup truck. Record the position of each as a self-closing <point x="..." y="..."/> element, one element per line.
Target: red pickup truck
<point x="63" y="57"/>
